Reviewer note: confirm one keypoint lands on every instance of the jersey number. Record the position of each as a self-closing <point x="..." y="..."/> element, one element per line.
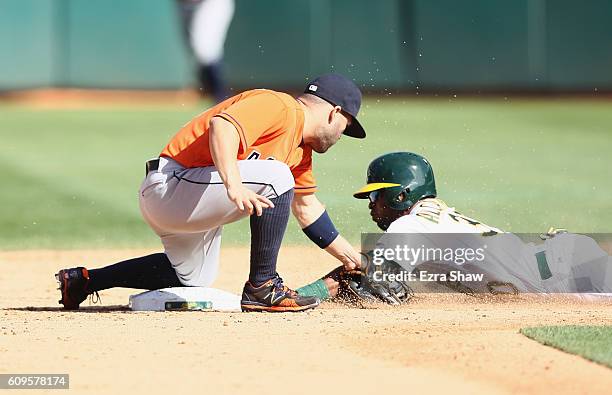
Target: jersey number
<point x="256" y="155"/>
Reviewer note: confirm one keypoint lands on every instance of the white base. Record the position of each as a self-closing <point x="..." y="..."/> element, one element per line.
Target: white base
<point x="156" y="300"/>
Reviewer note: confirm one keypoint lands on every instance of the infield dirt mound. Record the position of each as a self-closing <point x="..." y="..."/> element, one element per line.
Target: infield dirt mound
<point x="437" y="343"/>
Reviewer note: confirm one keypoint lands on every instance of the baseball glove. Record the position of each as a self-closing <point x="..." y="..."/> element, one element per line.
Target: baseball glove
<point x="368" y="284"/>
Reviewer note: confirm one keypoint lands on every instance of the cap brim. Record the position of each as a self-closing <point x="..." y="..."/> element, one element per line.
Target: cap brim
<point x="355" y="130"/>
<point x="375" y="186"/>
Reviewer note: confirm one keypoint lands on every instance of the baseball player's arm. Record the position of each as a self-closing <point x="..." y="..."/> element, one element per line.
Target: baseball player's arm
<point x="307" y="209"/>
<point x="224" y="143"/>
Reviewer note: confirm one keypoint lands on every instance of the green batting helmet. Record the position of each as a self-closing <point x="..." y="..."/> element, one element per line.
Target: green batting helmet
<point x="402" y="177"/>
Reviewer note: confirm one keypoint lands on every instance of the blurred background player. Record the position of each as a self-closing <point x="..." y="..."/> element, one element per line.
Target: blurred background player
<point x="206" y="23"/>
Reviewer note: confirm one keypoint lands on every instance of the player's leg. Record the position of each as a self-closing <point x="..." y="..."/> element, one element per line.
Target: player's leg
<point x="177" y="200"/>
<point x="572" y="263"/>
<point x="577" y="264"/>
<point x="187" y="208"/>
<point x="267" y="233"/>
<point x="324" y="288"/>
<point x="209" y="27"/>
<point x="187" y="212"/>
<point x="152" y="271"/>
<point x="148" y="272"/>
<point x="196" y="199"/>
<point x="210" y="78"/>
<point x="194" y="256"/>
<point x="265" y="290"/>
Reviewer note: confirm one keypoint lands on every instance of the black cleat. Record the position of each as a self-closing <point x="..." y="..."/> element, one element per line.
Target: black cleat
<point x="73" y="287"/>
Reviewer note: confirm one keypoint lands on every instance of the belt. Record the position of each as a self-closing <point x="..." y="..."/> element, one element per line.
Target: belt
<point x="151" y="165"/>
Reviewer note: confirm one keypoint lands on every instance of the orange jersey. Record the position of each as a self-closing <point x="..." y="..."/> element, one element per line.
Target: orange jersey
<point x="269" y="124"/>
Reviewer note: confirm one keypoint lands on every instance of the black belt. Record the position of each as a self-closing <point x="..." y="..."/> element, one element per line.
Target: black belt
<point x="151" y="165"/>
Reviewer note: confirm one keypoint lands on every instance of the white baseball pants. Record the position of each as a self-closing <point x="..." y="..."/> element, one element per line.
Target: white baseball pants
<point x="187" y="208"/>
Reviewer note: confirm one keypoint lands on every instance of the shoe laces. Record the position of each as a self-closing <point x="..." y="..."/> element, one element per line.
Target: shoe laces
<point x="279" y="285"/>
<point x="94" y="297"/>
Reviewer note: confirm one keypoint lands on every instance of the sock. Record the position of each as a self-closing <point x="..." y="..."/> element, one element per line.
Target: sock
<point x="318" y="289"/>
<point x="148" y="272"/>
<point x="267" y="234"/>
<point x="211" y="76"/>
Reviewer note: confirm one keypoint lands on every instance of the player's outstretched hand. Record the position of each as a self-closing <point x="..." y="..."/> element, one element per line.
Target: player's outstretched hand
<point x="248" y="201"/>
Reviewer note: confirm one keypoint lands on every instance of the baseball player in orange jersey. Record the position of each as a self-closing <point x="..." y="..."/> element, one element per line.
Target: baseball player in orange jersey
<point x="250" y="155"/>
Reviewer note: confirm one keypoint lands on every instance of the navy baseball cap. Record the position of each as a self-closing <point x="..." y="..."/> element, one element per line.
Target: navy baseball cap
<point x="339" y="91"/>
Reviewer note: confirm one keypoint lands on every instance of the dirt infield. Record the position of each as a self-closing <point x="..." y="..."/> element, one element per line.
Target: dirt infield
<point x="74" y="98"/>
<point x="450" y="343"/>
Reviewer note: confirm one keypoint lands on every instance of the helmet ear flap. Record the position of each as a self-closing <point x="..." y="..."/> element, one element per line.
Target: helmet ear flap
<point x="402" y="197"/>
<point x="401" y="201"/>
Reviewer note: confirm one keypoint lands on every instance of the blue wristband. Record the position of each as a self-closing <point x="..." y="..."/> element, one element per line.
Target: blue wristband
<point x="322" y="232"/>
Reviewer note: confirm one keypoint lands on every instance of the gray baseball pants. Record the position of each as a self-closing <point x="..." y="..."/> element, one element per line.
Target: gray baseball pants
<point x="187" y="208"/>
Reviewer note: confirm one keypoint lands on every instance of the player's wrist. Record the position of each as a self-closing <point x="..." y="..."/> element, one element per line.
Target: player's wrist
<point x="322" y="231"/>
<point x="233" y="184"/>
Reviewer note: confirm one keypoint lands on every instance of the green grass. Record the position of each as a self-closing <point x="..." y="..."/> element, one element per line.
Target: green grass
<point x="591" y="342"/>
<point x="70" y="177"/>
